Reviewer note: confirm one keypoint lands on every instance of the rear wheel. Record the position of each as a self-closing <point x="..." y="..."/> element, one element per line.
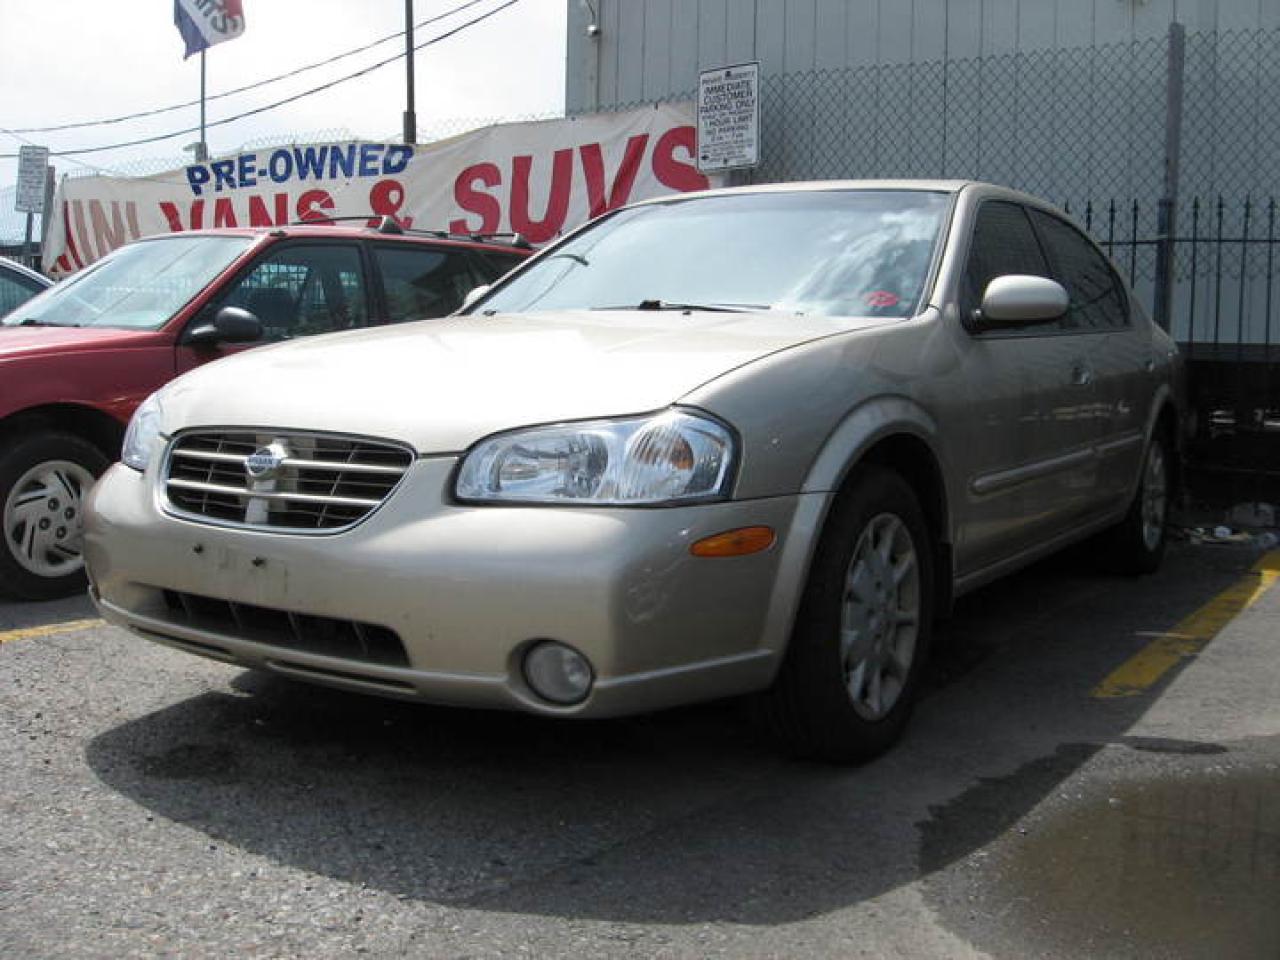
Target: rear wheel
<point x="44" y="480"/>
<point x="1137" y="543"/>
<point x="847" y="686"/>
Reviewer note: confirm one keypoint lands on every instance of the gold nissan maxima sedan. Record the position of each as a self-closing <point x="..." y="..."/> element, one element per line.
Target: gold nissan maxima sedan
<point x="748" y="441"/>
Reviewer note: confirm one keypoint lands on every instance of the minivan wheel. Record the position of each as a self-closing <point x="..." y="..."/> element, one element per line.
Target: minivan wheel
<point x="848" y="682"/>
<point x="1137" y="543"/>
<point x="44" y="480"/>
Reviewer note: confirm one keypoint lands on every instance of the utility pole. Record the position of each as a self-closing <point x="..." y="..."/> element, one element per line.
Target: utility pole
<point x="410" y="118"/>
<point x="202" y="146"/>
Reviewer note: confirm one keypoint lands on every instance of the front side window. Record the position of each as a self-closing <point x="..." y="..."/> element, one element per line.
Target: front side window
<point x="304" y="289"/>
<point x="1097" y="299"/>
<point x="139" y="287"/>
<point x="422" y="282"/>
<point x="1003" y="244"/>
<point x="819" y="253"/>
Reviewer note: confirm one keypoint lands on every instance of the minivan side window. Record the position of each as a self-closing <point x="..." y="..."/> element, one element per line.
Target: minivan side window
<point x="422" y="282"/>
<point x="494" y="264"/>
<point x="1097" y="298"/>
<point x="304" y="289"/>
<point x="1003" y="243"/>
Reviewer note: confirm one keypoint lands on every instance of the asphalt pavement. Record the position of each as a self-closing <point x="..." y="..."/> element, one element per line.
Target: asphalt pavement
<point x="1094" y="771"/>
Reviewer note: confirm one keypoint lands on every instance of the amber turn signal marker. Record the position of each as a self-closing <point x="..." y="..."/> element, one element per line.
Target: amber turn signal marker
<point x="735" y="543"/>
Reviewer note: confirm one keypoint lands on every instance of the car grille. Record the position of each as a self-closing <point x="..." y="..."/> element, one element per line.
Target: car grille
<point x="326" y="636"/>
<point x="303" y="482"/>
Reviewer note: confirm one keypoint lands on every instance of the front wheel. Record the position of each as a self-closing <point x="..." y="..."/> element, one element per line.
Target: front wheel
<point x="846" y="688"/>
<point x="44" y="480"/>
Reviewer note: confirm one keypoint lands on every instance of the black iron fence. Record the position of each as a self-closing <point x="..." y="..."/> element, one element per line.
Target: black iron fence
<point x="1222" y="305"/>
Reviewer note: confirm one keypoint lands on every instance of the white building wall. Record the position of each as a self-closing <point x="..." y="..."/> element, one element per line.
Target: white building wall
<point x="654" y="49"/>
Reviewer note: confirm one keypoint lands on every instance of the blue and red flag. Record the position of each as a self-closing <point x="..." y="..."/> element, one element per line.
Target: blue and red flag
<point x="203" y="23"/>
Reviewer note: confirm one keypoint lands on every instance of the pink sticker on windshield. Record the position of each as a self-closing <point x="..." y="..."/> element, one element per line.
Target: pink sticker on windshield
<point x="881" y="298"/>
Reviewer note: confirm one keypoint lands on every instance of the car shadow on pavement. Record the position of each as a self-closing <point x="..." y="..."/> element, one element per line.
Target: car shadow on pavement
<point x="677" y="817"/>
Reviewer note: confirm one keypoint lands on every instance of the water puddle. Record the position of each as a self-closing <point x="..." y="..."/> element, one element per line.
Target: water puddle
<point x="1186" y="867"/>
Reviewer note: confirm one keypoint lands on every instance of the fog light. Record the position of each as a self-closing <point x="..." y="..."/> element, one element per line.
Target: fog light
<point x="557" y="673"/>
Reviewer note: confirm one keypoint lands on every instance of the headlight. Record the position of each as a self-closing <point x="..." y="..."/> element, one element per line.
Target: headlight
<point x="661" y="458"/>
<point x="143" y="434"/>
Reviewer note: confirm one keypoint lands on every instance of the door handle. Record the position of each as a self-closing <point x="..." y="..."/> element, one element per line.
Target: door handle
<point x="1081" y="375"/>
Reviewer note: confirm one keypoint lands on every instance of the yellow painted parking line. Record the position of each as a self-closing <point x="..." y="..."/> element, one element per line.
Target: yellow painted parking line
<point x="30" y="633"/>
<point x="1137" y="674"/>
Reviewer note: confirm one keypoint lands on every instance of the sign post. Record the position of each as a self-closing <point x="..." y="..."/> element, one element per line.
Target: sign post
<point x="33" y="163"/>
<point x="729" y="118"/>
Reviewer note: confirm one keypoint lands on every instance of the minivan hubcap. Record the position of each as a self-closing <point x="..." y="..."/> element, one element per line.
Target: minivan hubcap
<point x="43" y="525"/>
<point x="880" y="616"/>
<point x="1155" y="491"/>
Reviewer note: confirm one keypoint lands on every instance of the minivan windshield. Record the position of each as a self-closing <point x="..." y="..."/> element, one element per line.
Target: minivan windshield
<point x="817" y="253"/>
<point x="138" y="287"/>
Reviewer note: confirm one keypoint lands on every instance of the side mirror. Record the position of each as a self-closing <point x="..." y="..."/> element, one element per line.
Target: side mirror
<point x="229" y="325"/>
<point x="475" y="294"/>
<point x="1018" y="300"/>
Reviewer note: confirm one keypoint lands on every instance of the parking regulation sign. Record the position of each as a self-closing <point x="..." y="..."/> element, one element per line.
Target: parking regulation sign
<point x="32" y="162"/>
<point x="729" y="117"/>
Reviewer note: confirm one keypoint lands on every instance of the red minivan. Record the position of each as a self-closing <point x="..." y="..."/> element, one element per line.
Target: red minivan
<point x="77" y="359"/>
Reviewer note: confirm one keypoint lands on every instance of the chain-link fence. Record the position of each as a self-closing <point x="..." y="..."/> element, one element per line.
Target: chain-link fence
<point x="1072" y="125"/>
<point x="1167" y="150"/>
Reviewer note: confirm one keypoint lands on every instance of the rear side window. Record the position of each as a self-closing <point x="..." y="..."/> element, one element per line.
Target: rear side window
<point x="422" y="282"/>
<point x="1003" y="243"/>
<point x="493" y="265"/>
<point x="1098" y="301"/>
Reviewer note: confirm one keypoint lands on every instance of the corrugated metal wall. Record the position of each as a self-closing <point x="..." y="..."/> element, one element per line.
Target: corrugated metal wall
<point x="652" y="49"/>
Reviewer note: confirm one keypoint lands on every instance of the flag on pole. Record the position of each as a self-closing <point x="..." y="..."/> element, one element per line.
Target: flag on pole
<point x="203" y="23"/>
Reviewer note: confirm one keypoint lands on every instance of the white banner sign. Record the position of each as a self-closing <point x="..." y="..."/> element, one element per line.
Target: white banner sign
<point x="538" y="179"/>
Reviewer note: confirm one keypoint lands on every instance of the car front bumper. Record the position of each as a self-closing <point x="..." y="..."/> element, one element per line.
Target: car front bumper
<point x="467" y="590"/>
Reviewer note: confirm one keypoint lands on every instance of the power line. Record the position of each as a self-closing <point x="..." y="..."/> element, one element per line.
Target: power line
<point x="279" y="103"/>
<point x="250" y="86"/>
<point x="79" y="163"/>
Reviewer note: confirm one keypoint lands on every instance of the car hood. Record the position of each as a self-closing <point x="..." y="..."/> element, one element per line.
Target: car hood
<point x="28" y="341"/>
<point x="440" y="385"/>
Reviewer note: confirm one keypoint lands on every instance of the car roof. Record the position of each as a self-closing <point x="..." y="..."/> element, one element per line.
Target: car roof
<point x="385" y="230"/>
<point x="818" y="186"/>
<point x="16" y="267"/>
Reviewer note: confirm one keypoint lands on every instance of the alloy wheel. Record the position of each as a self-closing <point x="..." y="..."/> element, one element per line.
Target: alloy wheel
<point x="1155" y="492"/>
<point x="880" y="616"/>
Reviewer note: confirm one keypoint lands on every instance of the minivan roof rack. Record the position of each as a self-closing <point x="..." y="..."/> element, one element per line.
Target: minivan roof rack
<point x="390" y="225"/>
<point x="513" y="239"/>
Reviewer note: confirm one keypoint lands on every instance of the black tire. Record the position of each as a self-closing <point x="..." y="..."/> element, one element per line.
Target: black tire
<point x="44" y="479"/>
<point x="813" y="709"/>
<point x="1136" y="545"/>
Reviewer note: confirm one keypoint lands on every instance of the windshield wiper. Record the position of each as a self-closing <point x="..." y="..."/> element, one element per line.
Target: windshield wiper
<point x="689" y="307"/>
<point x="575" y="257"/>
<point x="37" y="322"/>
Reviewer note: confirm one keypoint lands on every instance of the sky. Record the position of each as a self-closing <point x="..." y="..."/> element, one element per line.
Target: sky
<point x="64" y="61"/>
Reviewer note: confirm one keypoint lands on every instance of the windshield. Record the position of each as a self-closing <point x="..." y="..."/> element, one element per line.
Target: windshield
<point x="818" y="253"/>
<point x="137" y="287"/>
